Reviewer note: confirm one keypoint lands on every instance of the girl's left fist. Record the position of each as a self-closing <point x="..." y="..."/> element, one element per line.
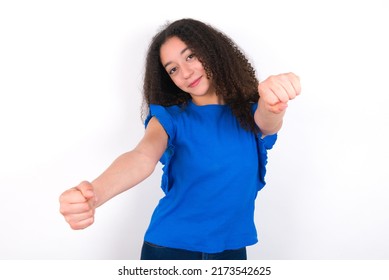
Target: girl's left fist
<point x="277" y="90"/>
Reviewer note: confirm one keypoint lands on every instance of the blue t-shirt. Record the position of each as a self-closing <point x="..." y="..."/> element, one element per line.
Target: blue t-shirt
<point x="212" y="171"/>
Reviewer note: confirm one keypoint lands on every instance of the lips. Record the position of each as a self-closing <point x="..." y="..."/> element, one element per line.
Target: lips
<point x="194" y="83"/>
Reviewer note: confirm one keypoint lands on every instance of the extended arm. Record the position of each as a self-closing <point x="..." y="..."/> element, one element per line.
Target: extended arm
<point x="132" y="167"/>
<point x="78" y="204"/>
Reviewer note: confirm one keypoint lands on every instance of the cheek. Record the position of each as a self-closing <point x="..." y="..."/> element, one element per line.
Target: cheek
<point x="177" y="82"/>
<point x="202" y="70"/>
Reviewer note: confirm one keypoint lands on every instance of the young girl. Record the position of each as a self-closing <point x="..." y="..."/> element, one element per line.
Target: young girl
<point x="210" y="123"/>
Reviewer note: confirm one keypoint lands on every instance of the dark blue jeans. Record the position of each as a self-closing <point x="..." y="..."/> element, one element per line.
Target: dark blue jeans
<point x="155" y="252"/>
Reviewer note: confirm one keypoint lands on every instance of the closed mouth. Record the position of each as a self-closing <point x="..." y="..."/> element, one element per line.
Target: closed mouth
<point x="195" y="82"/>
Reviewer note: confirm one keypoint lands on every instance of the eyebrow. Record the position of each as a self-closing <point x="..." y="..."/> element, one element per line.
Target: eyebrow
<point x="184" y="50"/>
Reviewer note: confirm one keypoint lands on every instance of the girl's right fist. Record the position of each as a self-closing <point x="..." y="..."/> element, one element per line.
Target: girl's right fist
<point x="77" y="205"/>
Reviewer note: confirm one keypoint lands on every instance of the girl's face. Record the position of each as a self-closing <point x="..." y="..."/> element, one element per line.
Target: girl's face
<point x="186" y="71"/>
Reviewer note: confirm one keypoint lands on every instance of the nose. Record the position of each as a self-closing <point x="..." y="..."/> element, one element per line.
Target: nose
<point x="186" y="71"/>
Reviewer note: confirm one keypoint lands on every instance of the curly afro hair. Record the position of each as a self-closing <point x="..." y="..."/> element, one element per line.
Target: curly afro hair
<point x="232" y="74"/>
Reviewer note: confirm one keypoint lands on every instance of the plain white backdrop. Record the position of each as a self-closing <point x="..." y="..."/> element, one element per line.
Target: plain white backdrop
<point x="70" y="86"/>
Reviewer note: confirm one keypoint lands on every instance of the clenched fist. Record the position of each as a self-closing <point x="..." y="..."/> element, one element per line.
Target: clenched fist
<point x="277" y="90"/>
<point x="78" y="205"/>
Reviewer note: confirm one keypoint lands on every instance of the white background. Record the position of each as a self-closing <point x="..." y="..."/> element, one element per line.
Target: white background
<point x="70" y="86"/>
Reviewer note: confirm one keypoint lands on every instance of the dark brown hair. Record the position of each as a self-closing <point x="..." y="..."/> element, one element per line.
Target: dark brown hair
<point x="232" y="74"/>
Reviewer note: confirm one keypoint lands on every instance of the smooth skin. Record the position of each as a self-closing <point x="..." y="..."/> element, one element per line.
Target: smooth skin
<point x="78" y="204"/>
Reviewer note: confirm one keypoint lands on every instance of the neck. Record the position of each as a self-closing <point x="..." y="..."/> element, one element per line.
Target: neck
<point x="208" y="100"/>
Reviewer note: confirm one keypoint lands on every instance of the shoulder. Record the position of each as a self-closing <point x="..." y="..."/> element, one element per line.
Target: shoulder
<point x="166" y="115"/>
<point x="171" y="110"/>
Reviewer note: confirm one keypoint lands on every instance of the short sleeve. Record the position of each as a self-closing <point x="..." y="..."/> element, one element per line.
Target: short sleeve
<point x="167" y="121"/>
<point x="164" y="117"/>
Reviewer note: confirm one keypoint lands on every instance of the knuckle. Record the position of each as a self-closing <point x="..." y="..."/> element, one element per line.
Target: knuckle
<point x="75" y="226"/>
<point x="85" y="207"/>
<point x="69" y="219"/>
<point x="64" y="209"/>
<point x="62" y="197"/>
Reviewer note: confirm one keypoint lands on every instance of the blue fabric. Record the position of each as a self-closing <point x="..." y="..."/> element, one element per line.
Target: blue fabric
<point x="212" y="171"/>
<point x="263" y="144"/>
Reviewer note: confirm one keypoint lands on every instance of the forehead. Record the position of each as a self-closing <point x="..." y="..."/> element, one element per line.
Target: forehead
<point x="171" y="49"/>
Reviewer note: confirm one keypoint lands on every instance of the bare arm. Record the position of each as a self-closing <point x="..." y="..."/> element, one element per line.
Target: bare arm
<point x="78" y="204"/>
<point x="132" y="167"/>
<point x="275" y="93"/>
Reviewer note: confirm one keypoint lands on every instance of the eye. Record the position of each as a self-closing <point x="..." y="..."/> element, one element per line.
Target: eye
<point x="191" y="56"/>
<point x="172" y="71"/>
